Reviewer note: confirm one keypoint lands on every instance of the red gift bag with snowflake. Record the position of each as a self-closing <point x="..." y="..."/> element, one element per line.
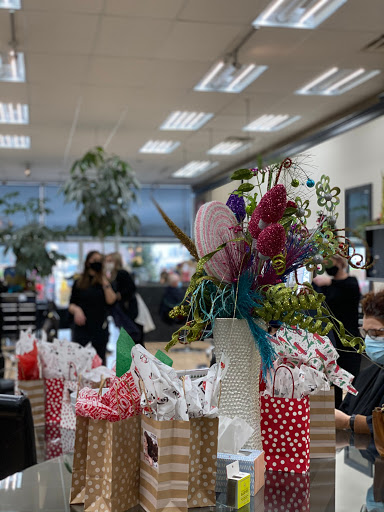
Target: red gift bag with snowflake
<point x="285" y="431"/>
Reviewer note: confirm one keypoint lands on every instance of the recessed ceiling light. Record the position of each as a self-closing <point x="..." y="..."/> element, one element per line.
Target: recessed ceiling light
<point x="14" y="114"/>
<point x="224" y="77"/>
<point x="336" y="81"/>
<point x="180" y="120"/>
<point x="15" y="142"/>
<point x="270" y="123"/>
<point x="230" y="146"/>
<point x="297" y="13"/>
<point x="159" y="146"/>
<point x="194" y="168"/>
<point x="12" y="68"/>
<point x="10" y="4"/>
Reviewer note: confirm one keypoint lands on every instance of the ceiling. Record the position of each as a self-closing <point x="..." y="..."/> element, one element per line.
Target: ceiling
<point x="109" y="72"/>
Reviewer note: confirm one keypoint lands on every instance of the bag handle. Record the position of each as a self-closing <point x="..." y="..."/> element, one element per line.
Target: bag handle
<point x="71" y="364"/>
<point x="274" y="379"/>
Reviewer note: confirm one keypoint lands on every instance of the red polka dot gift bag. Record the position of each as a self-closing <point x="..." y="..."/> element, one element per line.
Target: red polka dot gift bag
<point x="285" y="431"/>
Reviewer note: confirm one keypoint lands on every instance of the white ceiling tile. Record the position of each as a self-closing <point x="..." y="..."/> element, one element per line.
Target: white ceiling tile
<point x="221" y="11"/>
<point x="148" y="8"/>
<point x="68" y="69"/>
<point x="60" y="33"/>
<point x="83" y="6"/>
<point x="117" y="72"/>
<point x="131" y="37"/>
<point x="198" y="41"/>
<point x="356" y="16"/>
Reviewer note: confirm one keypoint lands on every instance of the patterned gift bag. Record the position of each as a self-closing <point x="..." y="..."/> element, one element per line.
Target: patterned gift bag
<point x="178" y="464"/>
<point x="322" y="425"/>
<point x="285" y="432"/>
<point x="54" y="389"/>
<point x="113" y="465"/>
<point x="79" y="461"/>
<point x="68" y="416"/>
<point x="35" y="391"/>
<point x="53" y="446"/>
<point x="286" y="492"/>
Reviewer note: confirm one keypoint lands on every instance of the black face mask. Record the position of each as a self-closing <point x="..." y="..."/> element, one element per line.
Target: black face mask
<point x="332" y="271"/>
<point x="97" y="266"/>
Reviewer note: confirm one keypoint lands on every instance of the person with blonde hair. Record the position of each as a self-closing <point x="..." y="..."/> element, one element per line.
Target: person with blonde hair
<point x="342" y="296"/>
<point x="125" y="288"/>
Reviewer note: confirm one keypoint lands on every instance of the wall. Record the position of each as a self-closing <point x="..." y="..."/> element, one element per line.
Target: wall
<point x="352" y="159"/>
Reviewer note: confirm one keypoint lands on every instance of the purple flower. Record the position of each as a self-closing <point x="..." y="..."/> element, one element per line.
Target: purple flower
<point x="237" y="205"/>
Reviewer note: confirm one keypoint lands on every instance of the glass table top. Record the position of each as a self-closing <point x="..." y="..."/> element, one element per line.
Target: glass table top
<point x="350" y="482"/>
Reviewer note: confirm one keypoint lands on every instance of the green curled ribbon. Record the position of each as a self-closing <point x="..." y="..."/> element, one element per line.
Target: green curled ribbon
<point x="289" y="305"/>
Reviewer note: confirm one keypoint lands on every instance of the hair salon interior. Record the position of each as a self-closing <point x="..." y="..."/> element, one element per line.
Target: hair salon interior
<point x="120" y="120"/>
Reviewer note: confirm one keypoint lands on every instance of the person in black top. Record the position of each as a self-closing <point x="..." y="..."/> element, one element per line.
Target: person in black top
<point x="342" y="296"/>
<point x="89" y="304"/>
<point x="355" y="412"/>
<point x="125" y="288"/>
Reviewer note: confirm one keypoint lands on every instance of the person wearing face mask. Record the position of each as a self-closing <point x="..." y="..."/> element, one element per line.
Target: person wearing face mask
<point x="342" y="296"/>
<point x="355" y="412"/>
<point x="125" y="288"/>
<point x="92" y="294"/>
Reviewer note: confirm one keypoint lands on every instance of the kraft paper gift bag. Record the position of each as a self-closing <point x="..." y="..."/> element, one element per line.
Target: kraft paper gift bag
<point x="79" y="461"/>
<point x="322" y="425"/>
<point x="178" y="464"/>
<point x="378" y="429"/>
<point x="113" y="465"/>
<point x="35" y="391"/>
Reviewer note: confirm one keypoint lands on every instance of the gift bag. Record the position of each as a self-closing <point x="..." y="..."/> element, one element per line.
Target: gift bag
<point x="35" y="391"/>
<point x="79" y="461"/>
<point x="112" y="465"/>
<point x="322" y="425"/>
<point x="68" y="416"/>
<point x="53" y="446"/>
<point x="178" y="464"/>
<point x="378" y="429"/>
<point x="54" y="389"/>
<point x="285" y="431"/>
<point x="286" y="492"/>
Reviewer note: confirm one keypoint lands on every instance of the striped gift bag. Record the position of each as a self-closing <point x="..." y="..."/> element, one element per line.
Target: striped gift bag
<point x="35" y="391"/>
<point x="322" y="426"/>
<point x="177" y="464"/>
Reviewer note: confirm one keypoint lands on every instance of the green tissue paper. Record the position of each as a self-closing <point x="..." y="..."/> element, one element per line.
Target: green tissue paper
<point x="164" y="358"/>
<point x="124" y="346"/>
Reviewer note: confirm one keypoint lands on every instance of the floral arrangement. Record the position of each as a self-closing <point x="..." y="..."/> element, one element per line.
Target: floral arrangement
<point x="251" y="247"/>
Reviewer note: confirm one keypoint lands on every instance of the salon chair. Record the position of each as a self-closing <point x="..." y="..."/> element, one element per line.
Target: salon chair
<point x="17" y="437"/>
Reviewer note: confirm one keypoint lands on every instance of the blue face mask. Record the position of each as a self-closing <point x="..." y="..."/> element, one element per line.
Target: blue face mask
<point x="375" y="349"/>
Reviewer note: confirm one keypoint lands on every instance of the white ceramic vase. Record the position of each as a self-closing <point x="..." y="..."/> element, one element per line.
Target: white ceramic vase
<point x="240" y="387"/>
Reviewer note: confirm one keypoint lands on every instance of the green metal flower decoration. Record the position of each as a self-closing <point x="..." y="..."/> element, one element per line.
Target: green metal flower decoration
<point x="327" y="196"/>
<point x="303" y="212"/>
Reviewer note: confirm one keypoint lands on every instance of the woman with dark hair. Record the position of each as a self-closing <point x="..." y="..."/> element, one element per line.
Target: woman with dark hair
<point x="342" y="296"/>
<point x="91" y="297"/>
<point x="355" y="412"/>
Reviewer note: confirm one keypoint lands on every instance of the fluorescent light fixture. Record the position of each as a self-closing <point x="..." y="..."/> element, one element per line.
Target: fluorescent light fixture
<point x="14" y="114"/>
<point x="10" y="4"/>
<point x="230" y="146"/>
<point x="182" y="120"/>
<point x="12" y="68"/>
<point x="224" y="77"/>
<point x="270" y="123"/>
<point x="15" y="142"/>
<point x="297" y="13"/>
<point x="160" y="147"/>
<point x="337" y="81"/>
<point x="194" y="168"/>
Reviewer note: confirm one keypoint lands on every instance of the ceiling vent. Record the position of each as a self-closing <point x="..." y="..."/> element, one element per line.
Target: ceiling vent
<point x="375" y="46"/>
